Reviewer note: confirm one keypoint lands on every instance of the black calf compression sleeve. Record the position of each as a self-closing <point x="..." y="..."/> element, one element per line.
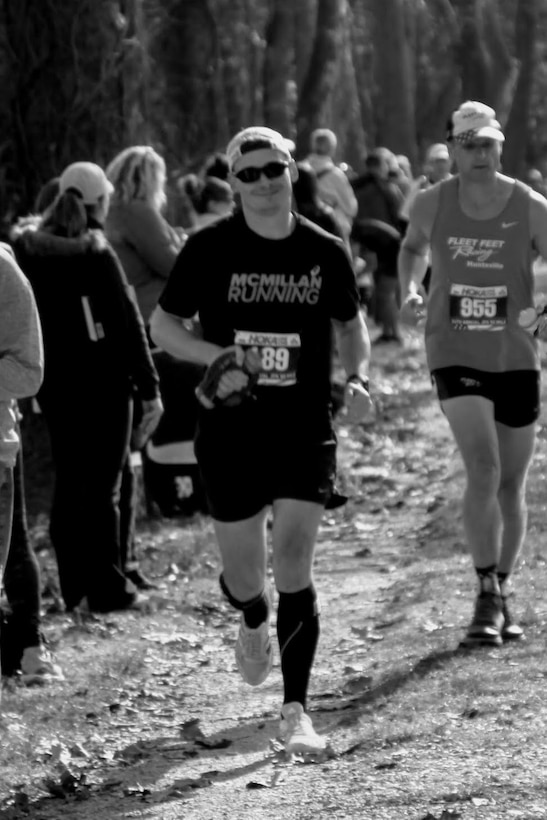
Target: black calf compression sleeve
<point x="298" y="633"/>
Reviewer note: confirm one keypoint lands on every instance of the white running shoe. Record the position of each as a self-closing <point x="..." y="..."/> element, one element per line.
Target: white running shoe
<point x="38" y="666"/>
<point x="254" y="652"/>
<point x="297" y="730"/>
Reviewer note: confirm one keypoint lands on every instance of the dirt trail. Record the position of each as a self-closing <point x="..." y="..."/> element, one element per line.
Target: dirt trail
<point x="185" y="738"/>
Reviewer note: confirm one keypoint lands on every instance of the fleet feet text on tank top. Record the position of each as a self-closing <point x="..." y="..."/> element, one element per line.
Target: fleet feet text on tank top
<point x="481" y="279"/>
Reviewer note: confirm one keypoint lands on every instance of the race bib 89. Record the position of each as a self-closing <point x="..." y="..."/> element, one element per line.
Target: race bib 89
<point x="279" y="355"/>
<point x="478" y="308"/>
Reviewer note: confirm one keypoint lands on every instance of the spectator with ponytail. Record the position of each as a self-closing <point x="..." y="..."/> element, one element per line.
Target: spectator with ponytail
<point x="96" y="355"/>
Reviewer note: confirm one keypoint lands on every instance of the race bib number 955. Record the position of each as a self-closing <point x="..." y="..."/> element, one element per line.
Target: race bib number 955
<point x="279" y="355"/>
<point x="476" y="308"/>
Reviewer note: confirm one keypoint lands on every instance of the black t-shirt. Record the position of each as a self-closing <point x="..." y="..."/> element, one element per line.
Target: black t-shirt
<point x="278" y="295"/>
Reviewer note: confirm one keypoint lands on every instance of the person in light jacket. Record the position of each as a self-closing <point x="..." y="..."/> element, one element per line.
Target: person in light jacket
<point x="145" y="243"/>
<point x="21" y="371"/>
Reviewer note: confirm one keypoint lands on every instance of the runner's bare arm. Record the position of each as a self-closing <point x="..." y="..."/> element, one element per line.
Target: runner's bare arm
<point x="169" y="332"/>
<point x="413" y="256"/>
<point x="538" y="223"/>
<point x="353" y="344"/>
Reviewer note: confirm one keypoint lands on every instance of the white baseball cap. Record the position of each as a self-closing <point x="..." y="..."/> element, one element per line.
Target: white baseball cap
<point x="437" y="151"/>
<point x="255" y="138"/>
<point x="475" y="119"/>
<point x="87" y="178"/>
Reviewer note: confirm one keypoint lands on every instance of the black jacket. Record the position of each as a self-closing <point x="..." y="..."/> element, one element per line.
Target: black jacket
<point x="94" y="336"/>
<point x="378" y="199"/>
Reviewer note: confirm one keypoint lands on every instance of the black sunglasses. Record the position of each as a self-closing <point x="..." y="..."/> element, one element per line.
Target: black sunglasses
<point x="271" y="170"/>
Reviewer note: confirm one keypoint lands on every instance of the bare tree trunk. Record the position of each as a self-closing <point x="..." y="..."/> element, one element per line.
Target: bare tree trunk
<point x="346" y="105"/>
<point x="486" y="68"/>
<point x="61" y="95"/>
<point x="278" y="66"/>
<point x="305" y="24"/>
<point x="317" y="88"/>
<point x="186" y="53"/>
<point x="395" y="78"/>
<point x="516" y="131"/>
<point x="255" y="59"/>
<point x="134" y="76"/>
<point x="362" y="50"/>
<point x="240" y="22"/>
<point x="437" y="90"/>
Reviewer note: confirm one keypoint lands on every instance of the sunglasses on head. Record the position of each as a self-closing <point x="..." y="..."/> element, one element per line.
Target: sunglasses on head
<point x="271" y="170"/>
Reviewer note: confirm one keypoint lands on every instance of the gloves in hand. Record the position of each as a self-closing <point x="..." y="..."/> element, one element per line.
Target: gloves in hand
<point x="230" y="378"/>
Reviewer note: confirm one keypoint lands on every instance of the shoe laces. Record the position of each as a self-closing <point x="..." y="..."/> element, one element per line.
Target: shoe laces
<point x="296" y="723"/>
<point x="254" y="641"/>
<point x="301" y="723"/>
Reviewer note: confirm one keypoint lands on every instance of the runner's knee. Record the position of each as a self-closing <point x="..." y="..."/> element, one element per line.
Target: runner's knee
<point x="239" y="590"/>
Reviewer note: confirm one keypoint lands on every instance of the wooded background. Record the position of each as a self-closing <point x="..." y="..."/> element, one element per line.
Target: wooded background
<point x="82" y="79"/>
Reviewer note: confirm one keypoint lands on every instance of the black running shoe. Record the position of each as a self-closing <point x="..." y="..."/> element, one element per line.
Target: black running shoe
<point x="511" y="631"/>
<point x="485" y="628"/>
<point x="336" y="500"/>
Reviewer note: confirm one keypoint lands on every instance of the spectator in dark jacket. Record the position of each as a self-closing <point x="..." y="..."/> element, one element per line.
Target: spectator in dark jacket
<point x="96" y="354"/>
<point x="377" y="228"/>
<point x="308" y="202"/>
<point x="378" y="197"/>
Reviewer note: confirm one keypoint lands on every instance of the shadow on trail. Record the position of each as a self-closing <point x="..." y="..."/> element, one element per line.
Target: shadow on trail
<point x="388" y="685"/>
<point x="163" y="759"/>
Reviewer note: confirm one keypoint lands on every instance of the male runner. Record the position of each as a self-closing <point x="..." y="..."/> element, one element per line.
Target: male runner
<point x="483" y="228"/>
<point x="265" y="279"/>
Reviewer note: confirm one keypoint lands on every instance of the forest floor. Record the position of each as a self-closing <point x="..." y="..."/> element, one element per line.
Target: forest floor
<point x="153" y="721"/>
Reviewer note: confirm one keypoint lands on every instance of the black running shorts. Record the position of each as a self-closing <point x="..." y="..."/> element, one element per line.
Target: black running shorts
<point x="245" y="470"/>
<point x="515" y="394"/>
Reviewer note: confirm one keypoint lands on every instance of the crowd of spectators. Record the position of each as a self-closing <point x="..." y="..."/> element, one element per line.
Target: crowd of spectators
<point x="97" y="250"/>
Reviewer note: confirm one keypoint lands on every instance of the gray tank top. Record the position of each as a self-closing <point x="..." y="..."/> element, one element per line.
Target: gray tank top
<point x="481" y="279"/>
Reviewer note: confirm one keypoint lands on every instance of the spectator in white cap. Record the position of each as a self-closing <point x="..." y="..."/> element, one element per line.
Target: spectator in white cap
<point x="332" y="182"/>
<point x="97" y="356"/>
<point x="437" y="166"/>
<point x="89" y="180"/>
<point x="483" y="229"/>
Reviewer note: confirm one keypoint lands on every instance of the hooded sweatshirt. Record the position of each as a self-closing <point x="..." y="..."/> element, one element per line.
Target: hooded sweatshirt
<point x="94" y="337"/>
<point x="21" y="354"/>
